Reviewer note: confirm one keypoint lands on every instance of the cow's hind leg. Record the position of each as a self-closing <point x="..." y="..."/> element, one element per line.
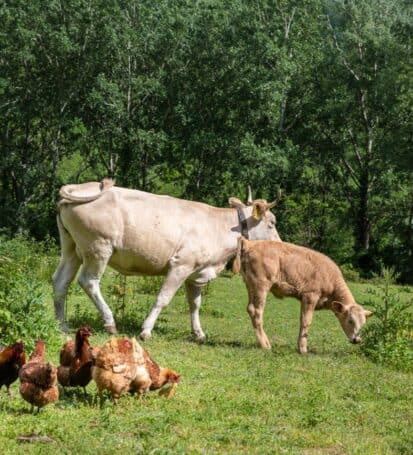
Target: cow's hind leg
<point x="174" y="279"/>
<point x="193" y="294"/>
<point x="63" y="276"/>
<point x="66" y="271"/>
<point x="256" y="306"/>
<point x="89" y="279"/>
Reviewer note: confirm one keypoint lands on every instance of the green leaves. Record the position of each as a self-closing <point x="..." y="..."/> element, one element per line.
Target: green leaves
<point x="388" y="338"/>
<point x="202" y="98"/>
<point x="25" y="305"/>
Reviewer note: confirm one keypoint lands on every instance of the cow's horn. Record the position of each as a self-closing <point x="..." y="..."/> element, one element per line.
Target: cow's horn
<point x="249" y="199"/>
<point x="277" y="200"/>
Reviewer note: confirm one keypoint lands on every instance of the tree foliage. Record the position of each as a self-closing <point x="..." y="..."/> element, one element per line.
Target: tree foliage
<point x="199" y="99"/>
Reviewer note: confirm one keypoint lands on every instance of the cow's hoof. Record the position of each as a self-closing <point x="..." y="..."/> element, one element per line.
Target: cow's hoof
<point x="199" y="337"/>
<point x="145" y="335"/>
<point x="111" y="328"/>
<point x="64" y="327"/>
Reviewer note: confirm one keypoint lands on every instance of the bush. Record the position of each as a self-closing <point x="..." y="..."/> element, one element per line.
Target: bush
<point x="388" y="337"/>
<point x="350" y="273"/>
<point x="25" y="304"/>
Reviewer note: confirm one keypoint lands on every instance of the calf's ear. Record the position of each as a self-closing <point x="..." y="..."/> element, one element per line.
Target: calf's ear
<point x="337" y="307"/>
<point x="368" y="313"/>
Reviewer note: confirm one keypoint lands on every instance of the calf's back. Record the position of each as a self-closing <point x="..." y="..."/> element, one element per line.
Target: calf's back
<point x="290" y="270"/>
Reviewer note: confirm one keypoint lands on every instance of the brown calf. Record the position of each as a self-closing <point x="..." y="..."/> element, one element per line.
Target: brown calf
<point x="289" y="270"/>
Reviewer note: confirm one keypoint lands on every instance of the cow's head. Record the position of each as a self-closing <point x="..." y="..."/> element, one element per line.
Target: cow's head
<point x="261" y="223"/>
<point x="352" y="318"/>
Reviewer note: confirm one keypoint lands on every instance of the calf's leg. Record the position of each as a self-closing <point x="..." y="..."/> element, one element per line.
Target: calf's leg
<point x="308" y="305"/>
<point x="255" y="308"/>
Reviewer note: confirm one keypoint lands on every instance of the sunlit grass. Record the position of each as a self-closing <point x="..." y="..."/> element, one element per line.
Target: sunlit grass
<point x="234" y="397"/>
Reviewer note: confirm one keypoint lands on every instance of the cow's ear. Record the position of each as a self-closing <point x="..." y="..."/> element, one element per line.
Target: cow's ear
<point x="368" y="313"/>
<point x="337" y="307"/>
<point x="235" y="203"/>
<point x="258" y="209"/>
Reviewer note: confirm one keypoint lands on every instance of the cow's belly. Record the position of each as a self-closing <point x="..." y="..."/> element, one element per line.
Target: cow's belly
<point x="142" y="252"/>
<point x="131" y="263"/>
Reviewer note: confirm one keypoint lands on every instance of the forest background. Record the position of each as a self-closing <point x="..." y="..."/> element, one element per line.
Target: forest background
<point x="198" y="99"/>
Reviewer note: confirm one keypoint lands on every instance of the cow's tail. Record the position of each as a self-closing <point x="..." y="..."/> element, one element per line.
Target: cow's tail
<point x="236" y="266"/>
<point x="86" y="192"/>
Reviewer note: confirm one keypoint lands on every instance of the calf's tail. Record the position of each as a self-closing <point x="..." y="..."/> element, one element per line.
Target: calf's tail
<point x="236" y="266"/>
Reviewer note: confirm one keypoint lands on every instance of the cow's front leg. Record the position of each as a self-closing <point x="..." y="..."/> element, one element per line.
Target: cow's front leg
<point x="193" y="295"/>
<point x="308" y="305"/>
<point x="174" y="279"/>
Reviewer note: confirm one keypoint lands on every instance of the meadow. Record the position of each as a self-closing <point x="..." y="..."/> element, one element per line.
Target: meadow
<point x="234" y="398"/>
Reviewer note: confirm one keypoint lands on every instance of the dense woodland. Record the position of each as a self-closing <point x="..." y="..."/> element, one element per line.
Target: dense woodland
<point x="198" y="99"/>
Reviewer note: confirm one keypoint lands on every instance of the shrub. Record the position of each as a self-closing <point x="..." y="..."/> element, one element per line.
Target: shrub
<point x="388" y="337"/>
<point x="350" y="273"/>
<point x="25" y="303"/>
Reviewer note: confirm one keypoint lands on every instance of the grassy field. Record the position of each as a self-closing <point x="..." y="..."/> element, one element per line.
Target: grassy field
<point x="233" y="398"/>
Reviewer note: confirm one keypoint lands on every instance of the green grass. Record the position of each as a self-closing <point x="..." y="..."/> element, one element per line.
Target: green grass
<point x="233" y="397"/>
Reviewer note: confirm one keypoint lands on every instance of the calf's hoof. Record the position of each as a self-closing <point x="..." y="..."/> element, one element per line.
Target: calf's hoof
<point x="145" y="335"/>
<point x="111" y="328"/>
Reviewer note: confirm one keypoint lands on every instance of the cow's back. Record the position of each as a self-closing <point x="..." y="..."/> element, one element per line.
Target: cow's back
<point x="143" y="230"/>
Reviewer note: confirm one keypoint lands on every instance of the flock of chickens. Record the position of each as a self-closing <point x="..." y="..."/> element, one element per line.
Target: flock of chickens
<point x="120" y="366"/>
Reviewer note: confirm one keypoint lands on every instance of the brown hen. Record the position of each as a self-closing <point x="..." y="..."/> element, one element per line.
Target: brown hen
<point x="11" y="360"/>
<point x="38" y="380"/>
<point x="122" y="365"/>
<point x="76" y="364"/>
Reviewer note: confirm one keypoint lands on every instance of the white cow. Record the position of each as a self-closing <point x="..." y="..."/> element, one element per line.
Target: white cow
<point x="142" y="233"/>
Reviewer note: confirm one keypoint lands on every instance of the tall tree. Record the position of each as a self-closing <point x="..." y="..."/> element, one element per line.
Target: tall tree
<point x="356" y="91"/>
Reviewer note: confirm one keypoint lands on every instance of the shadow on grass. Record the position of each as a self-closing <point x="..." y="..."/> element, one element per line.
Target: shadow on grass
<point x="221" y="343"/>
<point x="70" y="397"/>
<point x="91" y="320"/>
<point x="19" y="408"/>
<point x="10" y="409"/>
<point x="276" y="349"/>
<point x="131" y="325"/>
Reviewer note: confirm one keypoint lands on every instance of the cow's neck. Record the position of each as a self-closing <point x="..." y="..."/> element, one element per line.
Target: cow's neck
<point x="236" y="225"/>
<point x="243" y="223"/>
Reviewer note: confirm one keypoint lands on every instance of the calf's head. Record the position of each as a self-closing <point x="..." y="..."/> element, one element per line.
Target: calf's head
<point x="352" y="318"/>
<point x="261" y="223"/>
